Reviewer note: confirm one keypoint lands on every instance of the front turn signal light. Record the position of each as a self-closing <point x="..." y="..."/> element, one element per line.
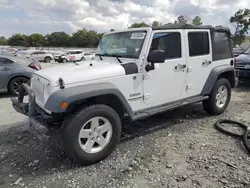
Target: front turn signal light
<point x="64" y="105"/>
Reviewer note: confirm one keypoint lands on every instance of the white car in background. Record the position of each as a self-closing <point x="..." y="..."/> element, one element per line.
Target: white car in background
<point x="44" y="56"/>
<point x="74" y="55"/>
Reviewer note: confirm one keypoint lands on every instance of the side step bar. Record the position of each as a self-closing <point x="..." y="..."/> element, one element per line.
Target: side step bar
<point x="168" y="106"/>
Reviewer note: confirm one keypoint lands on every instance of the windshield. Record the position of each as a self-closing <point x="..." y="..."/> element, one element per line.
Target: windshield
<point x="247" y="51"/>
<point x="124" y="44"/>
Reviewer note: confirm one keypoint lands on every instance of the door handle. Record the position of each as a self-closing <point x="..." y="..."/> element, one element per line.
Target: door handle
<point x="180" y="67"/>
<point x="5" y="69"/>
<point x="206" y="62"/>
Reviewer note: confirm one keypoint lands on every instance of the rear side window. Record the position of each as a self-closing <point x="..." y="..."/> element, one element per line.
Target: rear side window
<point x="198" y="43"/>
<point x="170" y="42"/>
<point x="7" y="61"/>
<point x="78" y="52"/>
<point x="222" y="46"/>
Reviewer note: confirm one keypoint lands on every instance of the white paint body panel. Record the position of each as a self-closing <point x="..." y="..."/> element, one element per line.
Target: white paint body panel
<point x="165" y="84"/>
<point x="199" y="74"/>
<point x="82" y="72"/>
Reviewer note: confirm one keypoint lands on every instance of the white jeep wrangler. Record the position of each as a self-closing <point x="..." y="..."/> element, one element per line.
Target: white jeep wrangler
<point x="136" y="73"/>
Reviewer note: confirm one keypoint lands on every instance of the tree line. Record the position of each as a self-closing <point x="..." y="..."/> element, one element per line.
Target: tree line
<point x="89" y="38"/>
<point x="82" y="38"/>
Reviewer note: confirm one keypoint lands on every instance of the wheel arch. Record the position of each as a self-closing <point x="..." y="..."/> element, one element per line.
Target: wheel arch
<point x="47" y="57"/>
<point x="224" y="71"/>
<point x="16" y="76"/>
<point x="109" y="99"/>
<point x="77" y="97"/>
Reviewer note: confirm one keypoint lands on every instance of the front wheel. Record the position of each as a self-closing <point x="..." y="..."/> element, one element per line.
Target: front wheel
<point x="219" y="97"/>
<point x="92" y="134"/>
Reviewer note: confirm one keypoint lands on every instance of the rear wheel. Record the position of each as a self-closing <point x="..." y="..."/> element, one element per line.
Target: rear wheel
<point x="92" y="134"/>
<point x="15" y="84"/>
<point x="219" y="97"/>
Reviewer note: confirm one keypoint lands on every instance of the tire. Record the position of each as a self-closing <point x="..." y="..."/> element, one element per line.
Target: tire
<point x="14" y="84"/>
<point x="211" y="106"/>
<point x="47" y="60"/>
<point x="76" y="147"/>
<point x="246" y="141"/>
<point x="218" y="126"/>
<point x="64" y="60"/>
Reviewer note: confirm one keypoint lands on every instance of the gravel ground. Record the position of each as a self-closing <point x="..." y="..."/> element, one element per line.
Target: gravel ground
<point x="179" y="148"/>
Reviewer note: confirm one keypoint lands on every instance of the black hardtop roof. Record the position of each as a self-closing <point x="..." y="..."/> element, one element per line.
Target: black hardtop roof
<point x="189" y="26"/>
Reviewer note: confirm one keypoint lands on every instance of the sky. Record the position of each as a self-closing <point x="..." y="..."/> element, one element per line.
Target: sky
<point x="46" y="16"/>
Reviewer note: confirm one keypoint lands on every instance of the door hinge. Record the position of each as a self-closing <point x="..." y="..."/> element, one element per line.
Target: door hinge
<point x="145" y="77"/>
<point x="189" y="86"/>
<point x="146" y="96"/>
<point x="189" y="69"/>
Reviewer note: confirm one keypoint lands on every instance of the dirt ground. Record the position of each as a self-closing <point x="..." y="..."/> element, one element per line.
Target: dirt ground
<point x="179" y="148"/>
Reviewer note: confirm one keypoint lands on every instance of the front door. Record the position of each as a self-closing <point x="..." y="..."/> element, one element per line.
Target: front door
<point x="199" y="60"/>
<point x="71" y="56"/>
<point x="6" y="69"/>
<point x="166" y="82"/>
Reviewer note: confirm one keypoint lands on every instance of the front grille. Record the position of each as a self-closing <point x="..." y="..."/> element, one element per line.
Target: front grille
<point x="242" y="66"/>
<point x="38" y="86"/>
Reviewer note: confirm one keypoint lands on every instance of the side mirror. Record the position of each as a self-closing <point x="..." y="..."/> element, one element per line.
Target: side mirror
<point x="156" y="56"/>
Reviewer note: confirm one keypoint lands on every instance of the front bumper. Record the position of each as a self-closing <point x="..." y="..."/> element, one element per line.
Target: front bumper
<point x="36" y="115"/>
<point x="244" y="73"/>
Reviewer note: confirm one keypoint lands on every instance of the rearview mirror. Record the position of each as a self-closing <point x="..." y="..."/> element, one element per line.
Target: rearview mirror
<point x="156" y="56"/>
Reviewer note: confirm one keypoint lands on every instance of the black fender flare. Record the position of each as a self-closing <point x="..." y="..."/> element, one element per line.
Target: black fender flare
<point x="214" y="75"/>
<point x="79" y="93"/>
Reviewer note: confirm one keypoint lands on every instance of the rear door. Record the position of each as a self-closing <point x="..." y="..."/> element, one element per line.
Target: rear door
<point x="6" y="69"/>
<point x="41" y="56"/>
<point x="38" y="56"/>
<point x="199" y="60"/>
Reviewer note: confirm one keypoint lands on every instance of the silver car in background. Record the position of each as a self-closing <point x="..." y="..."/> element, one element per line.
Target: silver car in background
<point x="14" y="71"/>
<point x="41" y="56"/>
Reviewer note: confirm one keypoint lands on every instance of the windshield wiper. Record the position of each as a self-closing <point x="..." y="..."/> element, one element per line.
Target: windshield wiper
<point x="117" y="57"/>
<point x="100" y="55"/>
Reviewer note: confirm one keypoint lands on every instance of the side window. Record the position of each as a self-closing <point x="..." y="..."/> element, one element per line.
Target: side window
<point x="1" y="61"/>
<point x="170" y="42"/>
<point x="198" y="43"/>
<point x="7" y="61"/>
<point x="222" y="46"/>
<point x="34" y="53"/>
<point x="78" y="52"/>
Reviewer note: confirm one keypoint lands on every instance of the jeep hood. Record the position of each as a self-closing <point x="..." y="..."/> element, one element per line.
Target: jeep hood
<point x="82" y="71"/>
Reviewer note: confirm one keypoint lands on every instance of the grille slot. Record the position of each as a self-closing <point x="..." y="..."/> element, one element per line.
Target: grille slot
<point x="38" y="86"/>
